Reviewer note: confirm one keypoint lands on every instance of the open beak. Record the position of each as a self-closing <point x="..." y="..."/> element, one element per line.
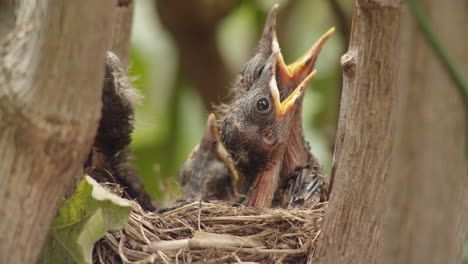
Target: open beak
<point x="290" y="103"/>
<point x="283" y="107"/>
<point x="289" y="76"/>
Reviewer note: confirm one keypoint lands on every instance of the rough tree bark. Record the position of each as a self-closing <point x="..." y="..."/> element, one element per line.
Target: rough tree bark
<point x="409" y="204"/>
<point x="51" y="72"/>
<point x="120" y="44"/>
<point x="352" y="228"/>
<point x="427" y="221"/>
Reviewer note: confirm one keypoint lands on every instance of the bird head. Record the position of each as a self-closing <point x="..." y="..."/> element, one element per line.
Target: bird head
<point x="206" y="174"/>
<point x="256" y="129"/>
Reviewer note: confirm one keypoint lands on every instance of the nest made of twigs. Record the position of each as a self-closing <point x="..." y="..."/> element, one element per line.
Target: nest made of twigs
<point x="203" y="232"/>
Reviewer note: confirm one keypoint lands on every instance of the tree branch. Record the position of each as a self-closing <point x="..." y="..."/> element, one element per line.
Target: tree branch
<point x="353" y="225"/>
<point x="122" y="32"/>
<point x="51" y="71"/>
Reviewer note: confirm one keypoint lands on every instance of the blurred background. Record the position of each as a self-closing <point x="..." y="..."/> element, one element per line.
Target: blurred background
<point x="185" y="54"/>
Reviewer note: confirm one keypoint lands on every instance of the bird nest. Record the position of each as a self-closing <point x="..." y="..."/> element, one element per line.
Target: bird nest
<point x="203" y="232"/>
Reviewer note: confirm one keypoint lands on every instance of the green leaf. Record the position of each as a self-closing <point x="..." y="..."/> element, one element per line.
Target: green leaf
<point x="83" y="220"/>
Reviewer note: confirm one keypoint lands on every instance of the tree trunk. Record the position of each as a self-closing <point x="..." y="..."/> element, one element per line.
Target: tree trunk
<point x="51" y="73"/>
<point x="352" y="229"/>
<point x="409" y="204"/>
<point x="122" y="32"/>
<point x="427" y="221"/>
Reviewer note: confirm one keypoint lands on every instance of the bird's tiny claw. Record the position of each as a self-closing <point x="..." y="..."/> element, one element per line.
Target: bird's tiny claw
<point x="312" y="187"/>
<point x="307" y="184"/>
<point x="239" y="200"/>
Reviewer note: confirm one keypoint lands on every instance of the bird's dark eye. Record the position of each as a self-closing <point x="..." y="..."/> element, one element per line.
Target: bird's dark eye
<point x="263" y="105"/>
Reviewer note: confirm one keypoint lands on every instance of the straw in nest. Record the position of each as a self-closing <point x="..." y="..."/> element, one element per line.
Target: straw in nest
<point x="213" y="233"/>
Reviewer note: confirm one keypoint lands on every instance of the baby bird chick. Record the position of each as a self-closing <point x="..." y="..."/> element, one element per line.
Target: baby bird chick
<point x="256" y="130"/>
<point x="207" y="174"/>
<point x="299" y="175"/>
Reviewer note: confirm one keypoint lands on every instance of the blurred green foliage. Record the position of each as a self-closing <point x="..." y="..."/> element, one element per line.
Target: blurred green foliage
<point x="465" y="258"/>
<point x="171" y="118"/>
